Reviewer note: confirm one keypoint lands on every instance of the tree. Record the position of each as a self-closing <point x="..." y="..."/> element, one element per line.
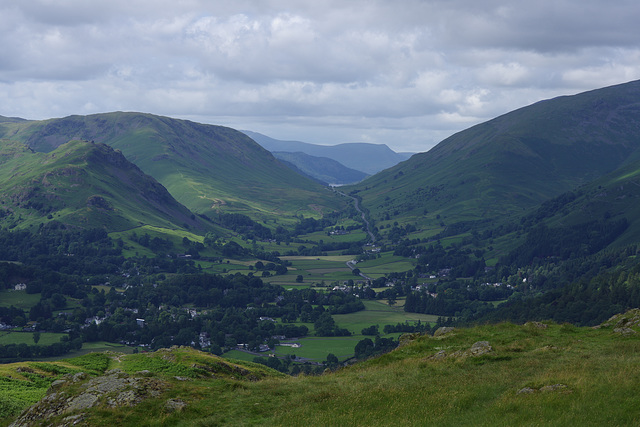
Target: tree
<point x="299" y="278"/>
<point x="371" y="330"/>
<point x="332" y="361"/>
<point x="36" y="337"/>
<point x="364" y="348"/>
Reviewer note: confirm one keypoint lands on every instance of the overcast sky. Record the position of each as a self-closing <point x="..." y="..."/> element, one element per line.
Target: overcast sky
<point x="406" y="73"/>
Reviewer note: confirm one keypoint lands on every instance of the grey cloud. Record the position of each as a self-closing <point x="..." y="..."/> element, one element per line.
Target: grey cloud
<point x="403" y="73"/>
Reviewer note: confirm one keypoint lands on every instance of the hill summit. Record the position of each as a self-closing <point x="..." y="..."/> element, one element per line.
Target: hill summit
<point x="84" y="184"/>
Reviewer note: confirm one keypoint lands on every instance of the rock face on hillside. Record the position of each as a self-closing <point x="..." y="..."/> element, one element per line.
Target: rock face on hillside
<point x="625" y="320"/>
<point x="112" y="390"/>
<point x="478" y="348"/>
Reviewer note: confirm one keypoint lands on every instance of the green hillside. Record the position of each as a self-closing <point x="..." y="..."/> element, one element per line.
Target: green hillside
<point x="84" y="184"/>
<point x="614" y="196"/>
<point x="506" y="374"/>
<point x="207" y="168"/>
<point x="500" y="168"/>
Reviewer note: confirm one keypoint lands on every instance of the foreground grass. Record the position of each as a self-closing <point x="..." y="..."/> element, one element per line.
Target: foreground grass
<point x="594" y="373"/>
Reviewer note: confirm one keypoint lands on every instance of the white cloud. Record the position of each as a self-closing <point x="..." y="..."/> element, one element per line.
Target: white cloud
<point x="407" y="74"/>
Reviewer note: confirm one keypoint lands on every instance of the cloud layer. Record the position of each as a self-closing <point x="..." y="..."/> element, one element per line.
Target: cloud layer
<point x="406" y="73"/>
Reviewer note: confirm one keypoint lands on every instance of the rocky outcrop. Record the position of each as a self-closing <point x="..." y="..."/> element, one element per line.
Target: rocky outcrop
<point x="545" y="389"/>
<point x="536" y="325"/>
<point x="625" y="320"/>
<point x="477" y="349"/>
<point x="114" y="389"/>
<point x="406" y="339"/>
<point x="443" y="331"/>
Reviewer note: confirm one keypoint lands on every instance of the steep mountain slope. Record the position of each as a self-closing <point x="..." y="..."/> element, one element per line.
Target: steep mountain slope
<point x="368" y="158"/>
<point x="614" y="196"/>
<point x="84" y="184"/>
<point x="322" y="168"/>
<point x="207" y="168"/>
<point x="506" y="374"/>
<point x="501" y="167"/>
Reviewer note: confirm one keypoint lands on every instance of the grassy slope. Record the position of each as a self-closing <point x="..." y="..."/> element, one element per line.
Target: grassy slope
<point x="613" y="196"/>
<point x="501" y="167"/>
<point x="207" y="168"/>
<point x="84" y="184"/>
<point x="594" y="371"/>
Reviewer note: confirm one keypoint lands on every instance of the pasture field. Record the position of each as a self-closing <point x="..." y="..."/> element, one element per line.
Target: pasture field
<point x="329" y="261"/>
<point x="350" y="237"/>
<point x="317" y="348"/>
<point x="387" y="263"/>
<point x="18" y="299"/>
<point x="240" y="355"/>
<point x="375" y="313"/>
<point x="14" y="337"/>
<point x="93" y="347"/>
<point x="379" y="313"/>
<point x="315" y="269"/>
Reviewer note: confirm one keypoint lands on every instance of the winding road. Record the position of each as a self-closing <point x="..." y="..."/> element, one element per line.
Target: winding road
<point x="372" y="238"/>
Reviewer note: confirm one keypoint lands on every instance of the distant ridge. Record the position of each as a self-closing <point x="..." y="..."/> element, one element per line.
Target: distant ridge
<point x="4" y="119"/>
<point x="322" y="169"/>
<point x="364" y="157"/>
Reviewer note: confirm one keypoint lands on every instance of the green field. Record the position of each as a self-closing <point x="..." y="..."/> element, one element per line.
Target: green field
<point x="317" y="348"/>
<point x="94" y="347"/>
<point x="46" y="338"/>
<point x="239" y="355"/>
<point x="379" y="313"/>
<point x="18" y="299"/>
<point x="315" y="269"/>
<point x="387" y="263"/>
<point x="353" y="236"/>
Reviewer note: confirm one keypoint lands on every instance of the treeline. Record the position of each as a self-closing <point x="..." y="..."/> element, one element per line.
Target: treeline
<point x="566" y="242"/>
<point x="455" y="301"/>
<point x="251" y="229"/>
<point x="462" y="262"/>
<point x="16" y="352"/>
<point x="590" y="293"/>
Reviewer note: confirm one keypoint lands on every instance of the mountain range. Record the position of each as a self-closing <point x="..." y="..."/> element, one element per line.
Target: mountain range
<point x="491" y="173"/>
<point x="323" y="169"/>
<point x="209" y="169"/>
<point x="364" y="157"/>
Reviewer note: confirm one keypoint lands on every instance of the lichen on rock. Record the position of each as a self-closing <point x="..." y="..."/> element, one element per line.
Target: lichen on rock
<point x="443" y="330"/>
<point x="114" y="389"/>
